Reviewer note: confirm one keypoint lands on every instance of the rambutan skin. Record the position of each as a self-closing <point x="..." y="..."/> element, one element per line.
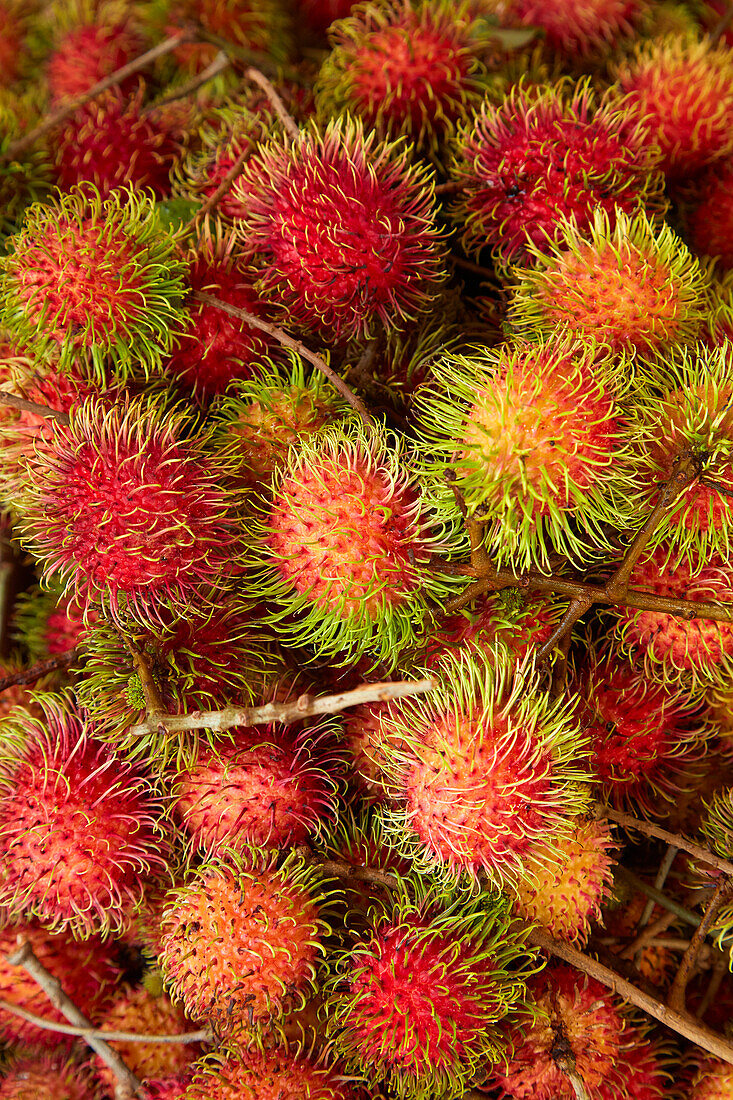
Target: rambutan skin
<point x="578" y="29"/>
<point x="46" y="1076"/>
<point x="343" y="230"/>
<point x="710" y="221"/>
<point x="89" y="52"/>
<point x="271" y="1073"/>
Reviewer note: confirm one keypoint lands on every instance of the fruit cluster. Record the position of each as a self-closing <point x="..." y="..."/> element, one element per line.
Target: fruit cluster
<point x="366" y="475"/>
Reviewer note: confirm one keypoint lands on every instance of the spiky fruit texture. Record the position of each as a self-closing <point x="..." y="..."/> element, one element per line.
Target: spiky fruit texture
<point x="138" y="1011"/>
<point x="47" y="624"/>
<point x="343" y="229"/>
<point x="641" y="1069"/>
<point x="215" y="349"/>
<point x="112" y="142"/>
<point x="271" y="1073"/>
<point x="710" y="222"/>
<point x="128" y="507"/>
<point x="487" y="765"/>
<point x="533" y="437"/>
<point x="363" y="739"/>
<point x="417" y="1000"/>
<point x="172" y="1087"/>
<point x="404" y="69"/>
<point x="12" y="47"/>
<point x="241" y="941"/>
<point x="673" y="649"/>
<point x="86" y="972"/>
<point x="24" y="177"/>
<point x="79" y="829"/>
<point x="548" y="153"/>
<point x="122" y="287"/>
<point x="259" y="26"/>
<point x="360" y="840"/>
<point x="88" y="53"/>
<point x="46" y="1077"/>
<point x="262" y="418"/>
<point x="569" y="877"/>
<point x="578" y="1011"/>
<point x="642" y="734"/>
<point x="717" y="826"/>
<point x="520" y="623"/>
<point x="263" y="787"/>
<point x="683" y="84"/>
<point x="346" y="542"/>
<point x="632" y="287"/>
<point x="713" y="1080"/>
<point x="580" y="28"/>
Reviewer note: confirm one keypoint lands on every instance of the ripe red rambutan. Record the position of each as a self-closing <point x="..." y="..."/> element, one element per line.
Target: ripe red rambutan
<point x="713" y="1080"/>
<point x="122" y="288"/>
<point x="343" y="229"/>
<point x="416" y="1000"/>
<point x="171" y="1087"/>
<point x="128" y="508"/>
<point x="683" y="86"/>
<point x="710" y="220"/>
<point x="90" y="51"/>
<point x="87" y="971"/>
<point x="79" y="829"/>
<point x="47" y="624"/>
<point x="270" y="1073"/>
<point x="481" y="767"/>
<point x="402" y="68"/>
<point x="578" y="29"/>
<point x="363" y="738"/>
<point x="260" y="787"/>
<point x="113" y="142"/>
<point x="632" y="288"/>
<point x="517" y="621"/>
<point x="642" y="1068"/>
<point x="545" y="154"/>
<point x="240" y="942"/>
<point x="47" y="1076"/>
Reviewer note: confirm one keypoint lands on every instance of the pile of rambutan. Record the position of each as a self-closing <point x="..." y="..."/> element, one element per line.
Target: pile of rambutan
<point x="366" y="549"/>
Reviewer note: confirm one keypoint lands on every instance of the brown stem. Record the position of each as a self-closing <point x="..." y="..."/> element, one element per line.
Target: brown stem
<point x="339" y="869"/>
<point x="35" y="672"/>
<point x="676" y="839"/>
<point x="648" y="934"/>
<point x="577" y="609"/>
<point x="219" y="65"/>
<point x="7" y="398"/>
<point x="154" y="705"/>
<point x="203" y="1036"/>
<point x="683" y="1025"/>
<point x="60" y="115"/>
<point x="258" y="77"/>
<point x="304" y="707"/>
<point x="129" y="1084"/>
<point x="720" y="969"/>
<point x="676" y="997"/>
<point x="560" y="668"/>
<point x="662" y="900"/>
<point x="295" y="345"/>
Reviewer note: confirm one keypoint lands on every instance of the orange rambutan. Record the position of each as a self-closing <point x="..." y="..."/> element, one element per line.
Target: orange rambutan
<point x="47" y="1076"/>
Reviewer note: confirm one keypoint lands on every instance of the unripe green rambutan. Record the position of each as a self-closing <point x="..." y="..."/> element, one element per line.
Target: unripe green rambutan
<point x="122" y="288"/>
<point x="127" y="507"/>
<point x="402" y="68"/>
<point x="79" y="829"/>
<point x="683" y="86"/>
<point x="579" y="29"/>
<point x="482" y="766"/>
<point x="546" y="154"/>
<point x="241" y="941"/>
<point x="343" y="229"/>
<point x="344" y="545"/>
<point x="47" y="1076"/>
<point x="632" y="288"/>
<point x="86" y="971"/>
<point x="416" y="1000"/>
<point x="270" y="1073"/>
<point x="534" y="439"/>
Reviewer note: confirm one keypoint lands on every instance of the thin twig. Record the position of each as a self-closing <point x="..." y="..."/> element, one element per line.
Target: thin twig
<point x="203" y="1036"/>
<point x="683" y="1025"/>
<point x="304" y="707"/>
<point x="130" y="1085"/>
<point x="676" y="997"/>
<point x="720" y="969"/>
<point x="295" y="345"/>
<point x="35" y="672"/>
<point x="216" y="196"/>
<point x="154" y="705"/>
<point x="644" y="938"/>
<point x="575" y="611"/>
<point x="258" y="77"/>
<point x="219" y="65"/>
<point x="664" y="868"/>
<point x="340" y="869"/>
<point x="57" y="117"/>
<point x="676" y="839"/>
<point x="12" y="399"/>
<point x="661" y="899"/>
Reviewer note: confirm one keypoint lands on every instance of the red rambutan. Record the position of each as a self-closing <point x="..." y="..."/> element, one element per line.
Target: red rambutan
<point x="47" y="624"/>
<point x="577" y="29"/>
<point x="46" y="1076"/>
<point x="713" y="1080"/>
<point x="516" y="621"/>
<point x="343" y="230"/>
<point x="266" y="1074"/>
<point x="79" y="829"/>
<point x="710" y="219"/>
<point x="87" y="53"/>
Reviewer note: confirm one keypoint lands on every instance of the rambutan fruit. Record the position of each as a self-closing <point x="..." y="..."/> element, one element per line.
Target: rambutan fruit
<point x="359" y="839"/>
<point x="47" y="624"/>
<point x="91" y="45"/>
<point x="127" y="507"/>
<point x="713" y="1080"/>
<point x="344" y="547"/>
<point x="578" y="1012"/>
<point x="122" y="287"/>
<point x="709" y="222"/>
<point x="579" y="29"/>
<point x="262" y="418"/>
<point x="24" y="178"/>
<point x="268" y="1073"/>
<point x="568" y="878"/>
<point x="343" y="229"/>
<point x="113" y="142"/>
<point x="47" y="1076"/>
<point x="138" y="1011"/>
<point x="365" y="757"/>
<point x="673" y="649"/>
<point x="546" y="154"/>
<point x="260" y="787"/>
<point x="534" y="438"/>
<point x="241" y="941"/>
<point x="256" y="26"/>
<point x="717" y="825"/>
<point x="632" y="288"/>
<point x="413" y="69"/>
<point x="643" y="1068"/>
<point x="683" y="86"/>
<point x="79" y="829"/>
<point x="416" y="1001"/>
<point x="86" y="971"/>
<point x="481" y="767"/>
<point x="171" y="1087"/>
